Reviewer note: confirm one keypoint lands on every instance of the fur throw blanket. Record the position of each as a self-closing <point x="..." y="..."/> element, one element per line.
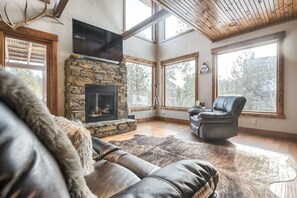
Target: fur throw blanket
<point x="19" y="98"/>
<point x="81" y="140"/>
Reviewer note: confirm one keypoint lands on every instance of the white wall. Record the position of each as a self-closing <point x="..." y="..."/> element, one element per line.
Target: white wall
<point x="107" y="14"/>
<point x="195" y="42"/>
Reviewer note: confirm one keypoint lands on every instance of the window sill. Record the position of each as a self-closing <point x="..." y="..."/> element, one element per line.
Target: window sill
<point x="264" y="115"/>
<point x="145" y="39"/>
<point x="134" y="109"/>
<point x="176" y="108"/>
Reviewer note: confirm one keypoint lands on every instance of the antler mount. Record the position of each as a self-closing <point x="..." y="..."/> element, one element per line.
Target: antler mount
<point x="27" y="20"/>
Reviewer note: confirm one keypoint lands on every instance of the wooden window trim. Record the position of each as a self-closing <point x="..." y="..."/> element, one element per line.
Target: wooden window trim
<point x="154" y="28"/>
<point x="176" y="36"/>
<point x="50" y="40"/>
<point x="277" y="38"/>
<point x="145" y="62"/>
<point x="184" y="58"/>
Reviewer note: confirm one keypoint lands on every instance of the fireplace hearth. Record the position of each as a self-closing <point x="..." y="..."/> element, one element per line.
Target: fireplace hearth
<point x="101" y="103"/>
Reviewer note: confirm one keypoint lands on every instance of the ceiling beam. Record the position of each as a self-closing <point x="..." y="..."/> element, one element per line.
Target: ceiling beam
<point x="158" y="16"/>
<point x="59" y="7"/>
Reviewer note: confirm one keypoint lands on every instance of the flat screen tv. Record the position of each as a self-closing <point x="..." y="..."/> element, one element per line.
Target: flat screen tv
<point x="96" y="42"/>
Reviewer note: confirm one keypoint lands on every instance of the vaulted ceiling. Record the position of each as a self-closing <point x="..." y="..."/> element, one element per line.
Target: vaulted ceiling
<point x="220" y="19"/>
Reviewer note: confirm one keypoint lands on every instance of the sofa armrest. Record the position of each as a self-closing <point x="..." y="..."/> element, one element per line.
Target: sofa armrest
<point x="103" y="148"/>
<point x="187" y="178"/>
<point x="116" y="155"/>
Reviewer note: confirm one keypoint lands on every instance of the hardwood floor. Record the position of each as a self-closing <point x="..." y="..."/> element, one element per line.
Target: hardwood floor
<point x="244" y="141"/>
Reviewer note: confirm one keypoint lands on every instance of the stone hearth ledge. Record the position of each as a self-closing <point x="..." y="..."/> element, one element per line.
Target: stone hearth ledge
<point x="111" y="127"/>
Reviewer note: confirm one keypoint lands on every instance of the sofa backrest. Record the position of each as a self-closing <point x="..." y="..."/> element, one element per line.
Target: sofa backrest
<point x="229" y="103"/>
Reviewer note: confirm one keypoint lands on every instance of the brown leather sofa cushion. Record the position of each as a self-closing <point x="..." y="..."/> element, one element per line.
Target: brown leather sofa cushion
<point x="27" y="168"/>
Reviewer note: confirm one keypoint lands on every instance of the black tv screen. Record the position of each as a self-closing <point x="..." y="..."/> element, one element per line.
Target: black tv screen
<point x="96" y="42"/>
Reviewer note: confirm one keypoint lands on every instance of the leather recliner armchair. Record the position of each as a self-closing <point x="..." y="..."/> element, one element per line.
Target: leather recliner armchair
<point x="38" y="159"/>
<point x="220" y="122"/>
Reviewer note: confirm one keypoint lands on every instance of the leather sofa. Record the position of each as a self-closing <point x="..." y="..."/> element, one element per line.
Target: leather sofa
<point x="38" y="159"/>
<point x="220" y="122"/>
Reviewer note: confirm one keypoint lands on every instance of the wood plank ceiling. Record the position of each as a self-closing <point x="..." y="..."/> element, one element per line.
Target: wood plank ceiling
<point x="221" y="19"/>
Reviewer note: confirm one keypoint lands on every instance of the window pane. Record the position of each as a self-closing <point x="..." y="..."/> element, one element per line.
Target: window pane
<point x="28" y="61"/>
<point x="174" y="26"/>
<point x="139" y="80"/>
<point x="136" y="12"/>
<point x="180" y="84"/>
<point x="252" y="73"/>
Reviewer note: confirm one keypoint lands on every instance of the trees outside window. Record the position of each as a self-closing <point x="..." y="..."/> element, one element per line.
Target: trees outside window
<point x="180" y="81"/>
<point x="251" y="73"/>
<point x="174" y="26"/>
<point x="254" y="71"/>
<point x="139" y="84"/>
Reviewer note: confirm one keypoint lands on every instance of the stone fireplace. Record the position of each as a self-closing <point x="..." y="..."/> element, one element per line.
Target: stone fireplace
<point x="96" y="95"/>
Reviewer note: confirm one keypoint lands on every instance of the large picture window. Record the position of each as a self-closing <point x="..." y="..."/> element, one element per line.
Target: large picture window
<point x="254" y="71"/>
<point x="180" y="81"/>
<point x="137" y="11"/>
<point x="139" y="83"/>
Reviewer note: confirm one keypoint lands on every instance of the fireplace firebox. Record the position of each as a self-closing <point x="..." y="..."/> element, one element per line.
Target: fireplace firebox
<point x="101" y="103"/>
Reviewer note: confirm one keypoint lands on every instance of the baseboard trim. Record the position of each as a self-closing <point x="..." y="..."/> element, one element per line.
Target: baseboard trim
<point x="159" y="118"/>
<point x="261" y="132"/>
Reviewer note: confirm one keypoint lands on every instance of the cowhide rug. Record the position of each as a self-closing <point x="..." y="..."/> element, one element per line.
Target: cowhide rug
<point x="242" y="174"/>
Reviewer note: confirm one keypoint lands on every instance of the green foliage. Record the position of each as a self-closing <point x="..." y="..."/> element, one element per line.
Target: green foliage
<point x="180" y="84"/>
<point x="139" y="82"/>
<point x="254" y="78"/>
<point x="30" y="79"/>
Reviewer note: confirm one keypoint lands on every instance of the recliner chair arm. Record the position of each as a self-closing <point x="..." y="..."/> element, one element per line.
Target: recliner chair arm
<point x="214" y="118"/>
<point x="187" y="178"/>
<point x="196" y="110"/>
<point x="116" y="155"/>
<point x="215" y="115"/>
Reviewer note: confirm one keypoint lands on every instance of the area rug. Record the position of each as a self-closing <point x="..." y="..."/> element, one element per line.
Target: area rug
<point x="242" y="174"/>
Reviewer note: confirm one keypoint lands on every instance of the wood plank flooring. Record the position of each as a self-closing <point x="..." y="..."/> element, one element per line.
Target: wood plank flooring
<point x="244" y="141"/>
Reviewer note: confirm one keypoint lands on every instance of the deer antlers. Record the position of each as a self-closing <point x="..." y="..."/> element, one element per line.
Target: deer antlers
<point x="27" y="20"/>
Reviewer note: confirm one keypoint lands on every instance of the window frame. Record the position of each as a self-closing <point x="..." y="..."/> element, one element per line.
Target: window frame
<point x="277" y="38"/>
<point x="50" y="40"/>
<point x="180" y="59"/>
<point x="148" y="63"/>
<point x="154" y="10"/>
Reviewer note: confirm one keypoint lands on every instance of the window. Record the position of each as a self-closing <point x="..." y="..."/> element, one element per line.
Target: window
<point x="180" y="81"/>
<point x="32" y="55"/>
<point x="137" y="11"/>
<point x="139" y="82"/>
<point x="28" y="61"/>
<point x="174" y="27"/>
<point x="254" y="71"/>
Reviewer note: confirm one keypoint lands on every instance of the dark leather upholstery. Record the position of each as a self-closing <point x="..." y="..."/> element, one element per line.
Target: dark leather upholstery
<point x="144" y="179"/>
<point x="27" y="169"/>
<point x="221" y="121"/>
